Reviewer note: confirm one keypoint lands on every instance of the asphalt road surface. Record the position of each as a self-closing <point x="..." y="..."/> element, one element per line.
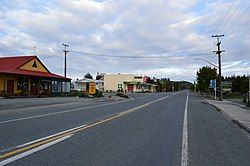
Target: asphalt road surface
<point x="154" y="129"/>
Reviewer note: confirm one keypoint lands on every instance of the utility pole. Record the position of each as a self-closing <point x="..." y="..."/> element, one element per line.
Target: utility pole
<point x="65" y="54"/>
<point x="218" y="52"/>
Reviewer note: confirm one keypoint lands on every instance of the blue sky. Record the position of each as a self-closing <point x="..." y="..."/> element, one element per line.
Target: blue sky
<point x="143" y="28"/>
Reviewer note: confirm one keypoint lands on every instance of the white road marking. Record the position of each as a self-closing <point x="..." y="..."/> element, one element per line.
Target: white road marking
<point x="17" y="157"/>
<point x="44" y="138"/>
<point x="184" y="154"/>
<point x="61" y="112"/>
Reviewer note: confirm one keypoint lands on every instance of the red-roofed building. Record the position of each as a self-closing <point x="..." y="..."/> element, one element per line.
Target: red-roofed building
<point x="27" y="75"/>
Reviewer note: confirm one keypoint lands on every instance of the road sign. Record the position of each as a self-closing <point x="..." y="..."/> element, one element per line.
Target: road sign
<point x="212" y="83"/>
<point x="92" y="88"/>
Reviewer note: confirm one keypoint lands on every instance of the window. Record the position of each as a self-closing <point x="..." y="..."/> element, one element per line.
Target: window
<point x="34" y="64"/>
<point x="22" y="83"/>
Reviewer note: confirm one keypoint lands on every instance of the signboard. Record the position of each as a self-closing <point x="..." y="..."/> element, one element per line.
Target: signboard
<point x="212" y="84"/>
<point x="92" y="88"/>
<point x="119" y="86"/>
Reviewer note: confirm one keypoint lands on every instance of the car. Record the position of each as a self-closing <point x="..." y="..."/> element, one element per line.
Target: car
<point x="246" y="97"/>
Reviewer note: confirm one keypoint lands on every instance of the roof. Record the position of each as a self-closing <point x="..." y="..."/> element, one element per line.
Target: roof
<point x="11" y="65"/>
<point x="138" y="83"/>
<point x="87" y="80"/>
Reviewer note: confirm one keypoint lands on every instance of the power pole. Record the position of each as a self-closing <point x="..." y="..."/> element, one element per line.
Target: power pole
<point x="218" y="52"/>
<point x="65" y="54"/>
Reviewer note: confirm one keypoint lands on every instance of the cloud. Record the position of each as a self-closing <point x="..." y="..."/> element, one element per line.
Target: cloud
<point x="125" y="28"/>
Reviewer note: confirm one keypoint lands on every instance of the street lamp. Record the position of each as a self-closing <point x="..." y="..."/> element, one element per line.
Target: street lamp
<point x="207" y="62"/>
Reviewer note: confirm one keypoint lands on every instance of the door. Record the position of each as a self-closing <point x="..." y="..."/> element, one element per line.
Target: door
<point x="10" y="87"/>
<point x="34" y="86"/>
<point x="130" y="88"/>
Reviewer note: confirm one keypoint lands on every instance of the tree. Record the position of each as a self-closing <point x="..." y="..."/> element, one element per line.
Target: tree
<point x="149" y="80"/>
<point x="88" y="75"/>
<point x="204" y="75"/>
<point x="99" y="76"/>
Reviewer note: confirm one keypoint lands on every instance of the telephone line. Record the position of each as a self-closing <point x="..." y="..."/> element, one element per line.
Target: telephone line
<point x="136" y="57"/>
<point x="217" y="28"/>
<point x="234" y="11"/>
<point x="242" y="14"/>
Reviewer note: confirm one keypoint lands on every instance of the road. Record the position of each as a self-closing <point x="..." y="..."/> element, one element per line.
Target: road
<point x="153" y="129"/>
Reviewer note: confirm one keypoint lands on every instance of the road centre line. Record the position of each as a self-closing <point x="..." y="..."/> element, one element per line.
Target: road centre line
<point x="61" y="112"/>
<point x="29" y="152"/>
<point x="70" y="132"/>
<point x="44" y="138"/>
<point x="184" y="154"/>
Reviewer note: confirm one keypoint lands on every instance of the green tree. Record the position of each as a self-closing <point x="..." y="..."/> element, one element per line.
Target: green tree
<point x="88" y="75"/>
<point x="204" y="75"/>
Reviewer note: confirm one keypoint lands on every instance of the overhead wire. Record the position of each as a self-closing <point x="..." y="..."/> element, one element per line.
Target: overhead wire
<point x="242" y="14"/>
<point x="135" y="57"/>
<point x="230" y="17"/>
<point x="52" y="54"/>
<point x="240" y="30"/>
<point x="220" y="22"/>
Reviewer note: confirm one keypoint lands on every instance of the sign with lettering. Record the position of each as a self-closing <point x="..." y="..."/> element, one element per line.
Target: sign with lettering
<point x="92" y="88"/>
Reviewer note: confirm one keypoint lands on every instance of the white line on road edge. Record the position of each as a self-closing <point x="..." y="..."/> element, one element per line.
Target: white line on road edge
<point x="9" y="160"/>
<point x="184" y="153"/>
<point x="61" y="112"/>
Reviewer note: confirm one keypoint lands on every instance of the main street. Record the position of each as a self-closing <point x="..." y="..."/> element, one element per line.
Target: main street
<point x="151" y="129"/>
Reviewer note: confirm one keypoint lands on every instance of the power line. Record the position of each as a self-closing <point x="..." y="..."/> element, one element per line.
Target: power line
<point x="242" y="14"/>
<point x="51" y="55"/>
<point x="235" y="34"/>
<point x="234" y="11"/>
<point x="217" y="28"/>
<point x="135" y="57"/>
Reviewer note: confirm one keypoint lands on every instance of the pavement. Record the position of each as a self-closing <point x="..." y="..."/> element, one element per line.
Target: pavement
<point x="238" y="113"/>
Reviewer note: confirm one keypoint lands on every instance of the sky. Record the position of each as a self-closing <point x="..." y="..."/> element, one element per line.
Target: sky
<point x="160" y="38"/>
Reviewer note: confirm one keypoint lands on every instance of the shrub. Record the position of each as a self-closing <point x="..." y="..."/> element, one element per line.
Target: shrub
<point x="121" y="95"/>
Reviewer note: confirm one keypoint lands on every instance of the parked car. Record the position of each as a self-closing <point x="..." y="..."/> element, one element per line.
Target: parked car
<point x="246" y="97"/>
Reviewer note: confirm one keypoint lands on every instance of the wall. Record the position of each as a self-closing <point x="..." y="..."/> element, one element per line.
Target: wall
<point x="5" y="78"/>
<point x="1" y="83"/>
<point x="111" y="81"/>
<point x="28" y="66"/>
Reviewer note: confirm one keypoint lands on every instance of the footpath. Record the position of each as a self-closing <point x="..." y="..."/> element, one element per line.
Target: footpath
<point x="238" y="113"/>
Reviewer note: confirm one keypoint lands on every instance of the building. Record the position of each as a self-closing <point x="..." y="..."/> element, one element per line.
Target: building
<point x="127" y="83"/>
<point x="83" y="84"/>
<point x="226" y="86"/>
<point x="27" y="75"/>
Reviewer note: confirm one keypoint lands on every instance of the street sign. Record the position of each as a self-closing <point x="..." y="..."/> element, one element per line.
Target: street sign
<point x="92" y="88"/>
<point x="212" y="84"/>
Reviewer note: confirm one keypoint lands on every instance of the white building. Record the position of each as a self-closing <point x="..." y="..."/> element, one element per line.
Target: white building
<point x="126" y="83"/>
<point x="83" y="84"/>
